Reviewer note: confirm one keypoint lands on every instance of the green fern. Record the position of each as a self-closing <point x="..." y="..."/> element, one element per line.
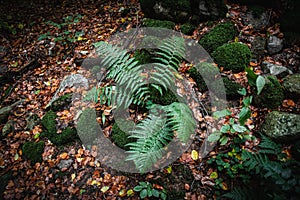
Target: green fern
<point x="152" y="134"/>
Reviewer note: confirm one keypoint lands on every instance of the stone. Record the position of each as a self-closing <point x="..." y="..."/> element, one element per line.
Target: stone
<point x="291" y="84"/>
<point x="4" y="112"/>
<point x="258" y="46"/>
<point x="276" y="70"/>
<point x="209" y="9"/>
<point x="65" y="164"/>
<point x="256" y="17"/>
<point x="8" y="128"/>
<point x="31" y="121"/>
<point x="281" y="126"/>
<point x="274" y="45"/>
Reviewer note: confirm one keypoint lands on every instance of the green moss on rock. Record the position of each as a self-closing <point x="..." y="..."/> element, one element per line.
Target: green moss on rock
<point x="121" y="136"/>
<point x="167" y="98"/>
<point x="33" y="151"/>
<point x="158" y="23"/>
<point x="187" y="28"/>
<point x="49" y="123"/>
<point x="62" y="102"/>
<point x="231" y="89"/>
<point x="233" y="56"/>
<point x="271" y="96"/>
<point x="143" y="56"/>
<point x="219" y="35"/>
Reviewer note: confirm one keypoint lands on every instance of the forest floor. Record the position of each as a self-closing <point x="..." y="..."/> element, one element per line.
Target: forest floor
<point x="37" y="69"/>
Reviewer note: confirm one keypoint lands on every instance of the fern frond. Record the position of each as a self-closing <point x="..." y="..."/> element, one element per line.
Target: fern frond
<point x="152" y="134"/>
<point x="181" y="120"/>
<point x="241" y="193"/>
<point x="269" y="146"/>
<point x="171" y="51"/>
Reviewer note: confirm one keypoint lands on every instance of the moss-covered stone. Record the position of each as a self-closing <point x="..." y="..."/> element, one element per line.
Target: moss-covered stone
<point x="49" y="123"/>
<point x="187" y="28"/>
<point x="271" y="96"/>
<point x="219" y="35"/>
<point x="231" y="89"/>
<point x="33" y="151"/>
<point x="120" y="136"/>
<point x="158" y="23"/>
<point x="233" y="56"/>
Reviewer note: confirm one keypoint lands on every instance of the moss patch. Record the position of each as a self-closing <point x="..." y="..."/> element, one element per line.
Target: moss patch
<point x="120" y="136"/>
<point x="158" y="23"/>
<point x="167" y="98"/>
<point x="62" y="102"/>
<point x="234" y="56"/>
<point x="33" y="151"/>
<point x="66" y="136"/>
<point x="143" y="56"/>
<point x="231" y="89"/>
<point x="219" y="35"/>
<point x="187" y="28"/>
<point x="271" y="96"/>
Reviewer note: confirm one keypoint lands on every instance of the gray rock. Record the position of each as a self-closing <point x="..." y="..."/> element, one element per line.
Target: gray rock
<point x="257" y="22"/>
<point x="209" y="9"/>
<point x="8" y="128"/>
<point x="291" y="84"/>
<point x="276" y="70"/>
<point x="31" y="121"/>
<point x="258" y="46"/>
<point x="274" y="45"/>
<point x="65" y="163"/>
<point x="283" y="127"/>
<point x="4" y="112"/>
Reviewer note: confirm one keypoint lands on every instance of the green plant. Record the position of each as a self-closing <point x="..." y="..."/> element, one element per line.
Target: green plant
<point x="146" y="190"/>
<point x="233" y="56"/>
<point x="33" y="151"/>
<point x="62" y="31"/>
<point x="219" y="35"/>
<point x="187" y="28"/>
<point x="134" y="85"/>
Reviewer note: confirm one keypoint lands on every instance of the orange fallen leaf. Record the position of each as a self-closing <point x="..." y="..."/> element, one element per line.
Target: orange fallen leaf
<point x="63" y="155"/>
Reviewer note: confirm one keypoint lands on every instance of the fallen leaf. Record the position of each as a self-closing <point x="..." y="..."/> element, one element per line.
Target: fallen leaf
<point x="194" y="155"/>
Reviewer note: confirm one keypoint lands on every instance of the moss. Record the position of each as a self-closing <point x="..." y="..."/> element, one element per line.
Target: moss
<point x="121" y="138"/>
<point x="143" y="56"/>
<point x="219" y="35"/>
<point x="49" y="123"/>
<point x="158" y="23"/>
<point x="271" y="96"/>
<point x="33" y="151"/>
<point x="62" y="102"/>
<point x="167" y="98"/>
<point x="231" y="88"/>
<point x="187" y="28"/>
<point x="233" y="56"/>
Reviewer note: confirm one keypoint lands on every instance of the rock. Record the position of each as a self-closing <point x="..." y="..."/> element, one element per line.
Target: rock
<point x="65" y="164"/>
<point x="257" y="17"/>
<point x="291" y="84"/>
<point x="4" y="112"/>
<point x="274" y="45"/>
<point x="282" y="126"/>
<point x="8" y="128"/>
<point x="258" y="46"/>
<point x="208" y="9"/>
<point x="172" y="10"/>
<point x="276" y="70"/>
<point x="73" y="80"/>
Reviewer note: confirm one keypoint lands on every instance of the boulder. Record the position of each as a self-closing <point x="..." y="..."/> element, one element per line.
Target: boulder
<point x="4" y="112"/>
<point x="276" y="70"/>
<point x="8" y="128"/>
<point x="274" y="45"/>
<point x="281" y="126"/>
<point x="208" y="9"/>
<point x="291" y="85"/>
<point x="257" y="17"/>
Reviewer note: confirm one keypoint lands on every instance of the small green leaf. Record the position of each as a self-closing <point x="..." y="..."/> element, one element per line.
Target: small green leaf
<point x="138" y="188"/>
<point x="225" y="128"/>
<point x="143" y="193"/>
<point x="214" y="137"/>
<point x="16" y="156"/>
<point x="163" y="196"/>
<point x="239" y="128"/>
<point x="231" y="121"/>
<point x="36" y="136"/>
<point x="222" y="113"/>
<point x="244" y="115"/>
<point x="251" y="76"/>
<point x="37" y="92"/>
<point x="224" y="140"/>
<point x="260" y="83"/>
<point x="242" y="92"/>
<point x="81" y="191"/>
<point x="155" y="192"/>
<point x="104" y="189"/>
<point x="213" y="175"/>
<point x="247" y="101"/>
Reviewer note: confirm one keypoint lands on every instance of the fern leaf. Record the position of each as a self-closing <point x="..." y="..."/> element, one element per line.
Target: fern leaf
<point x="152" y="135"/>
